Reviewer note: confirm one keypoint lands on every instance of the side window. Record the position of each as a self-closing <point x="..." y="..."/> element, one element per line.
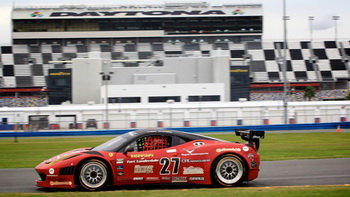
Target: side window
<point x="156" y="142"/>
<point x="153" y="142"/>
<point x="178" y="141"/>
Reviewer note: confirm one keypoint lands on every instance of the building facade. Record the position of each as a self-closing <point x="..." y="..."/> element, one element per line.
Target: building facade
<point x="160" y="45"/>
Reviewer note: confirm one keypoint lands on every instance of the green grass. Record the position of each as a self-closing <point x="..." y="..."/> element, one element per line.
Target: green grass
<point x="28" y="152"/>
<point x="315" y="191"/>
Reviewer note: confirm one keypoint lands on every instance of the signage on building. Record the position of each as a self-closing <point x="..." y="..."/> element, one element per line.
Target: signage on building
<point x="134" y="13"/>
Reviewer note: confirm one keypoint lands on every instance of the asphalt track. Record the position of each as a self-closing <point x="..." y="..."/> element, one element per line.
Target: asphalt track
<point x="273" y="173"/>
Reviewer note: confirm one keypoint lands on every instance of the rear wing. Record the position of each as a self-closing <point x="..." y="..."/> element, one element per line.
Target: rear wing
<point x="251" y="136"/>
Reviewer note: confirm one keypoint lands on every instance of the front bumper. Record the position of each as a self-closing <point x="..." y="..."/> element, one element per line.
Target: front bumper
<point x="51" y="177"/>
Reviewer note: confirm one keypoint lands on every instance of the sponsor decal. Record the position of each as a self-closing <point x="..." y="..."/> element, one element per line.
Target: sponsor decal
<point x="166" y="178"/>
<point x="152" y="179"/>
<point x="227" y="149"/>
<point x="251" y="156"/>
<point x="120" y="173"/>
<point x="191" y="152"/>
<point x="238" y="12"/>
<point x="137" y="179"/>
<point x="239" y="71"/>
<point x="245" y="148"/>
<point x="120" y="160"/>
<point x="143" y="169"/>
<point x="195" y="161"/>
<point x="253" y="164"/>
<point x="147" y="160"/>
<point x="60" y="74"/>
<point x="193" y="170"/>
<point x="198" y="143"/>
<point x="147" y="13"/>
<point x="36" y="14"/>
<point x="142" y="155"/>
<point x="51" y="170"/>
<point x="120" y="167"/>
<point x="171" y="151"/>
<point x="143" y="161"/>
<point x="179" y="179"/>
<point x="197" y="178"/>
<point x="52" y="183"/>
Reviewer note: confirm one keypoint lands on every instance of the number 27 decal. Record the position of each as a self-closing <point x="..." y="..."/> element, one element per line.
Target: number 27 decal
<point x="166" y="162"/>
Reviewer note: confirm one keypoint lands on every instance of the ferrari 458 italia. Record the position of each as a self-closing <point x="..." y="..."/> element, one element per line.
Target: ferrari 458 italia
<point x="155" y="157"/>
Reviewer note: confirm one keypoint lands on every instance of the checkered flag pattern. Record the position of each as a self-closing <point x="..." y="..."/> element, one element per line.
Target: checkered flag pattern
<point x="27" y="66"/>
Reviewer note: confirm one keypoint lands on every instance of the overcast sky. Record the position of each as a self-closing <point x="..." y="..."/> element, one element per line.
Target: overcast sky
<point x="298" y="10"/>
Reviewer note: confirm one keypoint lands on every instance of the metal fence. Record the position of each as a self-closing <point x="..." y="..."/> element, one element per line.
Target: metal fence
<point x="175" y="117"/>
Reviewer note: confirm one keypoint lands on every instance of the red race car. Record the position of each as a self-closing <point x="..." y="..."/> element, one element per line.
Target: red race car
<point x="154" y="157"/>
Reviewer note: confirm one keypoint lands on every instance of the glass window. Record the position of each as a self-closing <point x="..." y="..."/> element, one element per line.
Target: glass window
<point x="205" y="98"/>
<point x="174" y="25"/>
<point x="159" y="99"/>
<point x="153" y="142"/>
<point x="124" y="100"/>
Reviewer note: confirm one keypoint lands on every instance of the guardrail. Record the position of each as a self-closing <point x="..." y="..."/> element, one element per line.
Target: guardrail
<point x="313" y="126"/>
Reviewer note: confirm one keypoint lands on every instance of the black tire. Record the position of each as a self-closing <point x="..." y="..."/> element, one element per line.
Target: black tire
<point x="228" y="170"/>
<point x="93" y="175"/>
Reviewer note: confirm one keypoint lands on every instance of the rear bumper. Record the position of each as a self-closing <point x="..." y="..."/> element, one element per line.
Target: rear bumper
<point x="253" y="174"/>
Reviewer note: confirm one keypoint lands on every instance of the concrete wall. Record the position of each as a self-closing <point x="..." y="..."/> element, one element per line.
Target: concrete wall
<point x="183" y="90"/>
<point x="86" y="80"/>
<point x="184" y="70"/>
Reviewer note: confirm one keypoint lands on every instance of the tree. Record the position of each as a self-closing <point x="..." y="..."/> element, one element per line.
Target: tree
<point x="347" y="97"/>
<point x="309" y="92"/>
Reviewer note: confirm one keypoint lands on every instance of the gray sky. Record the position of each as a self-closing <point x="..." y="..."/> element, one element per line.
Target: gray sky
<point x="298" y="10"/>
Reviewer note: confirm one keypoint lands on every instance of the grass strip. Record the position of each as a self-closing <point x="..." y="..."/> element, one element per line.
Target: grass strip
<point x="28" y="152"/>
<point x="291" y="191"/>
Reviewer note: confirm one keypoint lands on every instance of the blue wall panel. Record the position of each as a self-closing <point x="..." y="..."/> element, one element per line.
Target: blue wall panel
<point x="314" y="126"/>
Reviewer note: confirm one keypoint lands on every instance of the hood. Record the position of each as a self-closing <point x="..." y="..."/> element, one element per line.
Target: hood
<point x="67" y="155"/>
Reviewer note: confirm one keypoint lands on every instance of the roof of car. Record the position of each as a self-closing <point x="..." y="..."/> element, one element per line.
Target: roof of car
<point x="192" y="136"/>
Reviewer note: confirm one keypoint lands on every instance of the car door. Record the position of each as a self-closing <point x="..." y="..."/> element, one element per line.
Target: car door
<point x="149" y="159"/>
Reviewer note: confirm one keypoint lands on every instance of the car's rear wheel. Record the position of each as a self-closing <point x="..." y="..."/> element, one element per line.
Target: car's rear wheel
<point x="93" y="174"/>
<point x="228" y="170"/>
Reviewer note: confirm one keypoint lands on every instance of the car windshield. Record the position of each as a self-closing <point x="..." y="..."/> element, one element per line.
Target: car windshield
<point x="115" y="143"/>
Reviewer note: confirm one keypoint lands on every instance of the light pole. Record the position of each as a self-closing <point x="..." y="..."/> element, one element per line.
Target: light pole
<point x="170" y="102"/>
<point x="311" y="19"/>
<point x="284" y="67"/>
<point x="106" y="76"/>
<point x="335" y="18"/>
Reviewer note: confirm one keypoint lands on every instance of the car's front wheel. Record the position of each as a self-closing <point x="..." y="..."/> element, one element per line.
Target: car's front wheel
<point x="93" y="174"/>
<point x="228" y="170"/>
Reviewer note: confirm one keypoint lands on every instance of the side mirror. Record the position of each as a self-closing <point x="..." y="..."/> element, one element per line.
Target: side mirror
<point x="129" y="149"/>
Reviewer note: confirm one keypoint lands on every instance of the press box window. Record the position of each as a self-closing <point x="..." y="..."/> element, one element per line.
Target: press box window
<point x="160" y="99"/>
<point x="124" y="100"/>
<point x="204" y="98"/>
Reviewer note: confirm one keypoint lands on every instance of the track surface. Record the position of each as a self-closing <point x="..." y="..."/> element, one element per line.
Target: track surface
<point x="273" y="173"/>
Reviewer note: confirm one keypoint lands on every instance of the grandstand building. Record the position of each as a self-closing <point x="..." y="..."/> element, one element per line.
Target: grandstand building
<point x="153" y="44"/>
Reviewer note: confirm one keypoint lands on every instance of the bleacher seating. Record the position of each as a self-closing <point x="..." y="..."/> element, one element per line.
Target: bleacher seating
<point x="27" y="65"/>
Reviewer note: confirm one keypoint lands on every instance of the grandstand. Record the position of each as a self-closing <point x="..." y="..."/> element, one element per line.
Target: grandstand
<point x="44" y="34"/>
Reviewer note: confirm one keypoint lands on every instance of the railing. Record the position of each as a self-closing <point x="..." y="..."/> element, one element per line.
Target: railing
<point x="336" y="126"/>
<point x="168" y="120"/>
